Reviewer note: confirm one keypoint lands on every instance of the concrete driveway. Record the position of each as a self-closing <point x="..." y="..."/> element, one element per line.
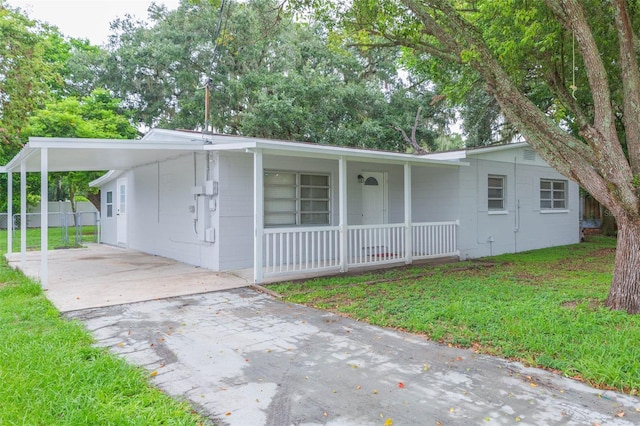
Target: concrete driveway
<point x="244" y="358"/>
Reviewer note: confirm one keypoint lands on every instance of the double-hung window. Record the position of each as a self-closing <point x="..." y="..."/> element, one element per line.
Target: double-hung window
<point x="495" y="192"/>
<point x="296" y="198"/>
<point x="553" y="194"/>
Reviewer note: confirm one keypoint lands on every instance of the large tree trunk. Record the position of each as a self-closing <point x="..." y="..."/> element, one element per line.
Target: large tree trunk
<point x="625" y="286"/>
<point x="608" y="224"/>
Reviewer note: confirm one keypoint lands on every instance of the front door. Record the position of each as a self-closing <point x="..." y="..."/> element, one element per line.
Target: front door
<point x="121" y="212"/>
<point x="374" y="198"/>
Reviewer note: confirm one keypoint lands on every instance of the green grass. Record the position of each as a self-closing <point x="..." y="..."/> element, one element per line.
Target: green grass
<point x="51" y="374"/>
<point x="56" y="238"/>
<point x="542" y="307"/>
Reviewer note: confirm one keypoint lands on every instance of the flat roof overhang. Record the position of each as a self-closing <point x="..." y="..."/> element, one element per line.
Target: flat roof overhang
<point x="73" y="154"/>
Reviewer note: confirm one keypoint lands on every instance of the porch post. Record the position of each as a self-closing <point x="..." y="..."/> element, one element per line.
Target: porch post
<point x="9" y="213"/>
<point x="258" y="215"/>
<point x="342" y="196"/>
<point x="408" y="248"/>
<point x="23" y="215"/>
<point x="44" y="217"/>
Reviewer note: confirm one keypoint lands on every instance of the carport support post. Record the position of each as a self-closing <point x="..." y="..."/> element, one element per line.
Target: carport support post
<point x="408" y="243"/>
<point x="258" y="215"/>
<point x="44" y="217"/>
<point x="23" y="215"/>
<point x="9" y="213"/>
<point x="342" y="191"/>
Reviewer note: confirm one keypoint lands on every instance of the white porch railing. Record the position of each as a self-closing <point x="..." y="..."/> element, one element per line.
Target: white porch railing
<point x="306" y="250"/>
<point x="301" y="249"/>
<point x="434" y="239"/>
<point x="375" y="244"/>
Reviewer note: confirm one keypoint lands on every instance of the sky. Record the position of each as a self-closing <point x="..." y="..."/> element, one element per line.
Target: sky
<point x="87" y="19"/>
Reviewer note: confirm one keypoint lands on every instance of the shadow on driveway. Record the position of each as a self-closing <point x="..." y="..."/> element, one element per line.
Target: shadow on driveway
<point x="244" y="358"/>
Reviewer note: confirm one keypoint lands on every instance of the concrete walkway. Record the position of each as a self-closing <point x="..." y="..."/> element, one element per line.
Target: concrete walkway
<point x="244" y="359"/>
<point x="101" y="275"/>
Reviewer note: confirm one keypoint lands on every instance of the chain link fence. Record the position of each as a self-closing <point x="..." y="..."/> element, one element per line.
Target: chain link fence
<point x="66" y="229"/>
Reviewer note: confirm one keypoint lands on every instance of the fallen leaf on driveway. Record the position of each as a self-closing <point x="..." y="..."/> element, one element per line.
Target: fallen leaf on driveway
<point x="400" y="385"/>
<point x="153" y="373"/>
<point x="620" y="414"/>
<point x="388" y="422"/>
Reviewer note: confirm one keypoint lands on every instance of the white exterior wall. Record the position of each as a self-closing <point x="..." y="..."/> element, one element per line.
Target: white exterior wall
<point x="434" y="193"/>
<point x="159" y="218"/>
<point x="234" y="216"/>
<point x="522" y="225"/>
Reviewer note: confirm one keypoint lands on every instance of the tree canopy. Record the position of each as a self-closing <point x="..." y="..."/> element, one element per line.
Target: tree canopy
<point x="269" y="75"/>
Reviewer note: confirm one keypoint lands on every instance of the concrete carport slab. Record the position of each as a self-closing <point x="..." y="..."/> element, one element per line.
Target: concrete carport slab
<point x="100" y="275"/>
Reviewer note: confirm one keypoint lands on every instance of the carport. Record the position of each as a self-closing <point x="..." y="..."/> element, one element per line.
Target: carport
<point x="45" y="155"/>
<point x="101" y="275"/>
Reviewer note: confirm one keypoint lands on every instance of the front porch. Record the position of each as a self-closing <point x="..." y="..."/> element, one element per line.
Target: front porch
<point x="320" y="249"/>
<point x="402" y="218"/>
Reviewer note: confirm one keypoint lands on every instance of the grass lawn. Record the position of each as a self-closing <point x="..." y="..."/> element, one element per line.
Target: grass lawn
<point x="56" y="237"/>
<point x="51" y="374"/>
<point x="540" y="307"/>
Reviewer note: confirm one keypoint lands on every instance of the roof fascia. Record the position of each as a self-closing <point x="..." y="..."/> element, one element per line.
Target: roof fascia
<point x="106" y="178"/>
<point x="62" y="143"/>
<point x="490" y="149"/>
<point x="22" y="156"/>
<point x="328" y="152"/>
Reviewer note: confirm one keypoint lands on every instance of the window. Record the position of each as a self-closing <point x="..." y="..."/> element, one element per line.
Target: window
<point x="495" y="192"/>
<point x="109" y="203"/>
<point x="553" y="194"/>
<point x="293" y="198"/>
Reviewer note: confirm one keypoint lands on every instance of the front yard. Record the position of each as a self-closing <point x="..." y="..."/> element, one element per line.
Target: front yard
<point x="541" y="307"/>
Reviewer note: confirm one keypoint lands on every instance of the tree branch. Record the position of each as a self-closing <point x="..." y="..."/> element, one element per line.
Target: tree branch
<point x="630" y="82"/>
<point x="412" y="141"/>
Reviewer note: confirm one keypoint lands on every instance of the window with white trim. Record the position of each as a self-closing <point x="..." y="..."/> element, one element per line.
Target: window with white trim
<point x="553" y="194"/>
<point x="109" y="203"/>
<point x="296" y="198"/>
<point x="495" y="192"/>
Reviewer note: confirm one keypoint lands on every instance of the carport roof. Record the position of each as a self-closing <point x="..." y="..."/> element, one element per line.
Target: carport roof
<point x="77" y="154"/>
<point x="96" y="154"/>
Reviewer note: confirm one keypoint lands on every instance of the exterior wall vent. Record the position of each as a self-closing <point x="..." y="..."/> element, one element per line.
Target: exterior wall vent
<point x="529" y="155"/>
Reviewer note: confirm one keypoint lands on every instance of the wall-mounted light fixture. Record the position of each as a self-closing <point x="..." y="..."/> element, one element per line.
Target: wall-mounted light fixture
<point x="360" y="179"/>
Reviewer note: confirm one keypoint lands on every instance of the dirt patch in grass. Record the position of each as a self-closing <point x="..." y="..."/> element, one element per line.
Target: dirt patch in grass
<point x="603" y="252"/>
<point x="591" y="303"/>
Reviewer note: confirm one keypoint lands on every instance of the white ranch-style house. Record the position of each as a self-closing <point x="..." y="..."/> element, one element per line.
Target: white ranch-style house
<point x="287" y="209"/>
